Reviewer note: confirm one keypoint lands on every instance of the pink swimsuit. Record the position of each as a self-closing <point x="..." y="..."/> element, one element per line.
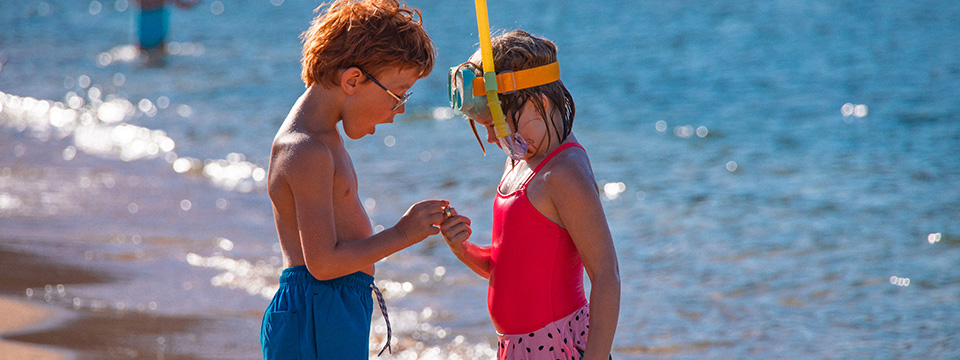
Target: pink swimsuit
<point x="536" y="278"/>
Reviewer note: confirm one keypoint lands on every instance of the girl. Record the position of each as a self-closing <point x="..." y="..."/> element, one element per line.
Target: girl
<point x="548" y="223"/>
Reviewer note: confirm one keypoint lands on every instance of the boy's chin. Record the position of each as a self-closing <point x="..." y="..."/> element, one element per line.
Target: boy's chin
<point x="357" y="135"/>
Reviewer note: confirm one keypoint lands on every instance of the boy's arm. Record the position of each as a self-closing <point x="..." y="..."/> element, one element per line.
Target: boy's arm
<point x="310" y="175"/>
<point x="581" y="213"/>
<point x="456" y="230"/>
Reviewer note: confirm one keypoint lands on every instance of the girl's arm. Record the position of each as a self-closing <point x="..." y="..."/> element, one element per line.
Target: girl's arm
<point x="573" y="191"/>
<point x="456" y="230"/>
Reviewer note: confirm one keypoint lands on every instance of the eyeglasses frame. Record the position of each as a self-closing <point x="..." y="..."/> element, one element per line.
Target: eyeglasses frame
<point x="400" y="101"/>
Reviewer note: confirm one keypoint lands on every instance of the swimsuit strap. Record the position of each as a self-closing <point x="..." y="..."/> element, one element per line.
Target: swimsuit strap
<point x="550" y="157"/>
<point x="383" y="310"/>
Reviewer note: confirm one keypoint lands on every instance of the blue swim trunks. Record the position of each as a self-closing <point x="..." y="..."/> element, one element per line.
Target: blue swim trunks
<point x="313" y="319"/>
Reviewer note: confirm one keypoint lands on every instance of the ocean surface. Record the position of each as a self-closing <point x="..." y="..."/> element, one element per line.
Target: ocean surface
<point x="782" y="178"/>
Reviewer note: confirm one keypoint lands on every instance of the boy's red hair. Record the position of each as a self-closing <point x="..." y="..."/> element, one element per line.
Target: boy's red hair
<point x="370" y="34"/>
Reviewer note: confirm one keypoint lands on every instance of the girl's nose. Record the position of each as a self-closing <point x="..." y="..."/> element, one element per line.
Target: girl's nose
<point x="491" y="135"/>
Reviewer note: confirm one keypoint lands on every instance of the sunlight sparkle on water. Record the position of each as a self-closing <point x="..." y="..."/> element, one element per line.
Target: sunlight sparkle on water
<point x="225" y="244"/>
<point x="183" y="164"/>
<point x="855" y="110"/>
<point x="702" y="131"/>
<point x="899" y="281"/>
<point x="9" y="202"/>
<point x="216" y="8"/>
<point x="731" y="166"/>
<point x="234" y="173"/>
<point x="439" y="272"/>
<point x="239" y="274"/>
<point x="442" y="113"/>
<point x="83" y="81"/>
<point x="685" y="131"/>
<point x="69" y="153"/>
<point x="113" y="111"/>
<point x="934" y="238"/>
<point x="119" y="79"/>
<point x="95" y="7"/>
<point x="74" y="101"/>
<point x="612" y="190"/>
<point x="184" y="111"/>
<point x="661" y="126"/>
<point x="146" y="106"/>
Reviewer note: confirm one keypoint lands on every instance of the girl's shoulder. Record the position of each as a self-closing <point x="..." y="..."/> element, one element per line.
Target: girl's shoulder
<point x="569" y="170"/>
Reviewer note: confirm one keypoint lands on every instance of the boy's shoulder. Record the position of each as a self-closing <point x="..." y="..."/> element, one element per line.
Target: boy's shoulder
<point x="294" y="151"/>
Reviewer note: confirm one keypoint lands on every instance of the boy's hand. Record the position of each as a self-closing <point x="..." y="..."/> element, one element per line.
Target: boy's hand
<point x="421" y="220"/>
<point x="455" y="230"/>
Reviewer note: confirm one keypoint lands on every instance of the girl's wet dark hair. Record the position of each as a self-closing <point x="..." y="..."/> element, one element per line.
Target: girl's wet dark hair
<point x="519" y="50"/>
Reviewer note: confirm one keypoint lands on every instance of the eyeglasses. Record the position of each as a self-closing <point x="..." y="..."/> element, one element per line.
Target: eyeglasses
<point x="400" y="101"/>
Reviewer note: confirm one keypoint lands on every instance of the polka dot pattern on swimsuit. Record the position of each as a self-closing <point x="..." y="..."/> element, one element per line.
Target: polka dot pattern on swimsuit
<point x="563" y="339"/>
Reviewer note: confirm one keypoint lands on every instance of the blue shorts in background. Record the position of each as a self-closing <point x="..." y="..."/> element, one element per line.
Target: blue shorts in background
<point x="313" y="319"/>
<point x="152" y="27"/>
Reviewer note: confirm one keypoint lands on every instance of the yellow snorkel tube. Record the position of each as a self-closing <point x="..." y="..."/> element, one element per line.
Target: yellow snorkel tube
<point x="477" y="97"/>
<point x="512" y="144"/>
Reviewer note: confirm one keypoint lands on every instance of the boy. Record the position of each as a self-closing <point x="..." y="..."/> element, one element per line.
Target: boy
<point x="360" y="58"/>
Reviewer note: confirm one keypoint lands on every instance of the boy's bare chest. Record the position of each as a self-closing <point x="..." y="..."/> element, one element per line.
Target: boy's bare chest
<point x="344" y="179"/>
<point x="351" y="219"/>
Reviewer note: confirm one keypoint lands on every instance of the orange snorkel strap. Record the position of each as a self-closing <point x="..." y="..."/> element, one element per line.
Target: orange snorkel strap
<point x="509" y="81"/>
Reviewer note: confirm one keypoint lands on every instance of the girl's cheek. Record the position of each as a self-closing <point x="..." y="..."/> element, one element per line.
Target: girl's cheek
<point x="533" y="130"/>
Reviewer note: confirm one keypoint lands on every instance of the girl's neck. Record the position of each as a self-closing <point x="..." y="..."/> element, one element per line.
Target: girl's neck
<point x="541" y="155"/>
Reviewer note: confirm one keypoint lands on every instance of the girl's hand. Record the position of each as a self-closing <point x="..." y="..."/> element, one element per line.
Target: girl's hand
<point x="455" y="229"/>
<point x="421" y="220"/>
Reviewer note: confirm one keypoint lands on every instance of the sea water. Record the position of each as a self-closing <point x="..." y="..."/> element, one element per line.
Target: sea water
<point x="782" y="179"/>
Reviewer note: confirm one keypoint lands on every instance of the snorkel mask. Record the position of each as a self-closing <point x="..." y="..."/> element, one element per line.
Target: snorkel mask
<point x="477" y="96"/>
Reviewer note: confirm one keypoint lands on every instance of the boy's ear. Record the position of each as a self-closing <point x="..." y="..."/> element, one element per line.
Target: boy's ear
<point x="349" y="79"/>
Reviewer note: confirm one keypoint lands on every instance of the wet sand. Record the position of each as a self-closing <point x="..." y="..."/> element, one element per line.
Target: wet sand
<point x="19" y="316"/>
<point x="74" y="247"/>
<point x="39" y="330"/>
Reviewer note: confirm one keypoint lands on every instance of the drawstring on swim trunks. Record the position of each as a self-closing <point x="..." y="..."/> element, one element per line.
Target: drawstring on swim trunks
<point x="383" y="310"/>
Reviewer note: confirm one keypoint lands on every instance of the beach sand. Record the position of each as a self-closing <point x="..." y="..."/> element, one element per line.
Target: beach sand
<point x="19" y="316"/>
<point x="55" y="303"/>
<point x="37" y="330"/>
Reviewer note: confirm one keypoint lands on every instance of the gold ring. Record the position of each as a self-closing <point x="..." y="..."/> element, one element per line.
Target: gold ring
<point x="448" y="211"/>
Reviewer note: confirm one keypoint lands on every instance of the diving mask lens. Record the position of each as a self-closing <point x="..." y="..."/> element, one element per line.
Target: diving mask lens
<point x="460" y="91"/>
